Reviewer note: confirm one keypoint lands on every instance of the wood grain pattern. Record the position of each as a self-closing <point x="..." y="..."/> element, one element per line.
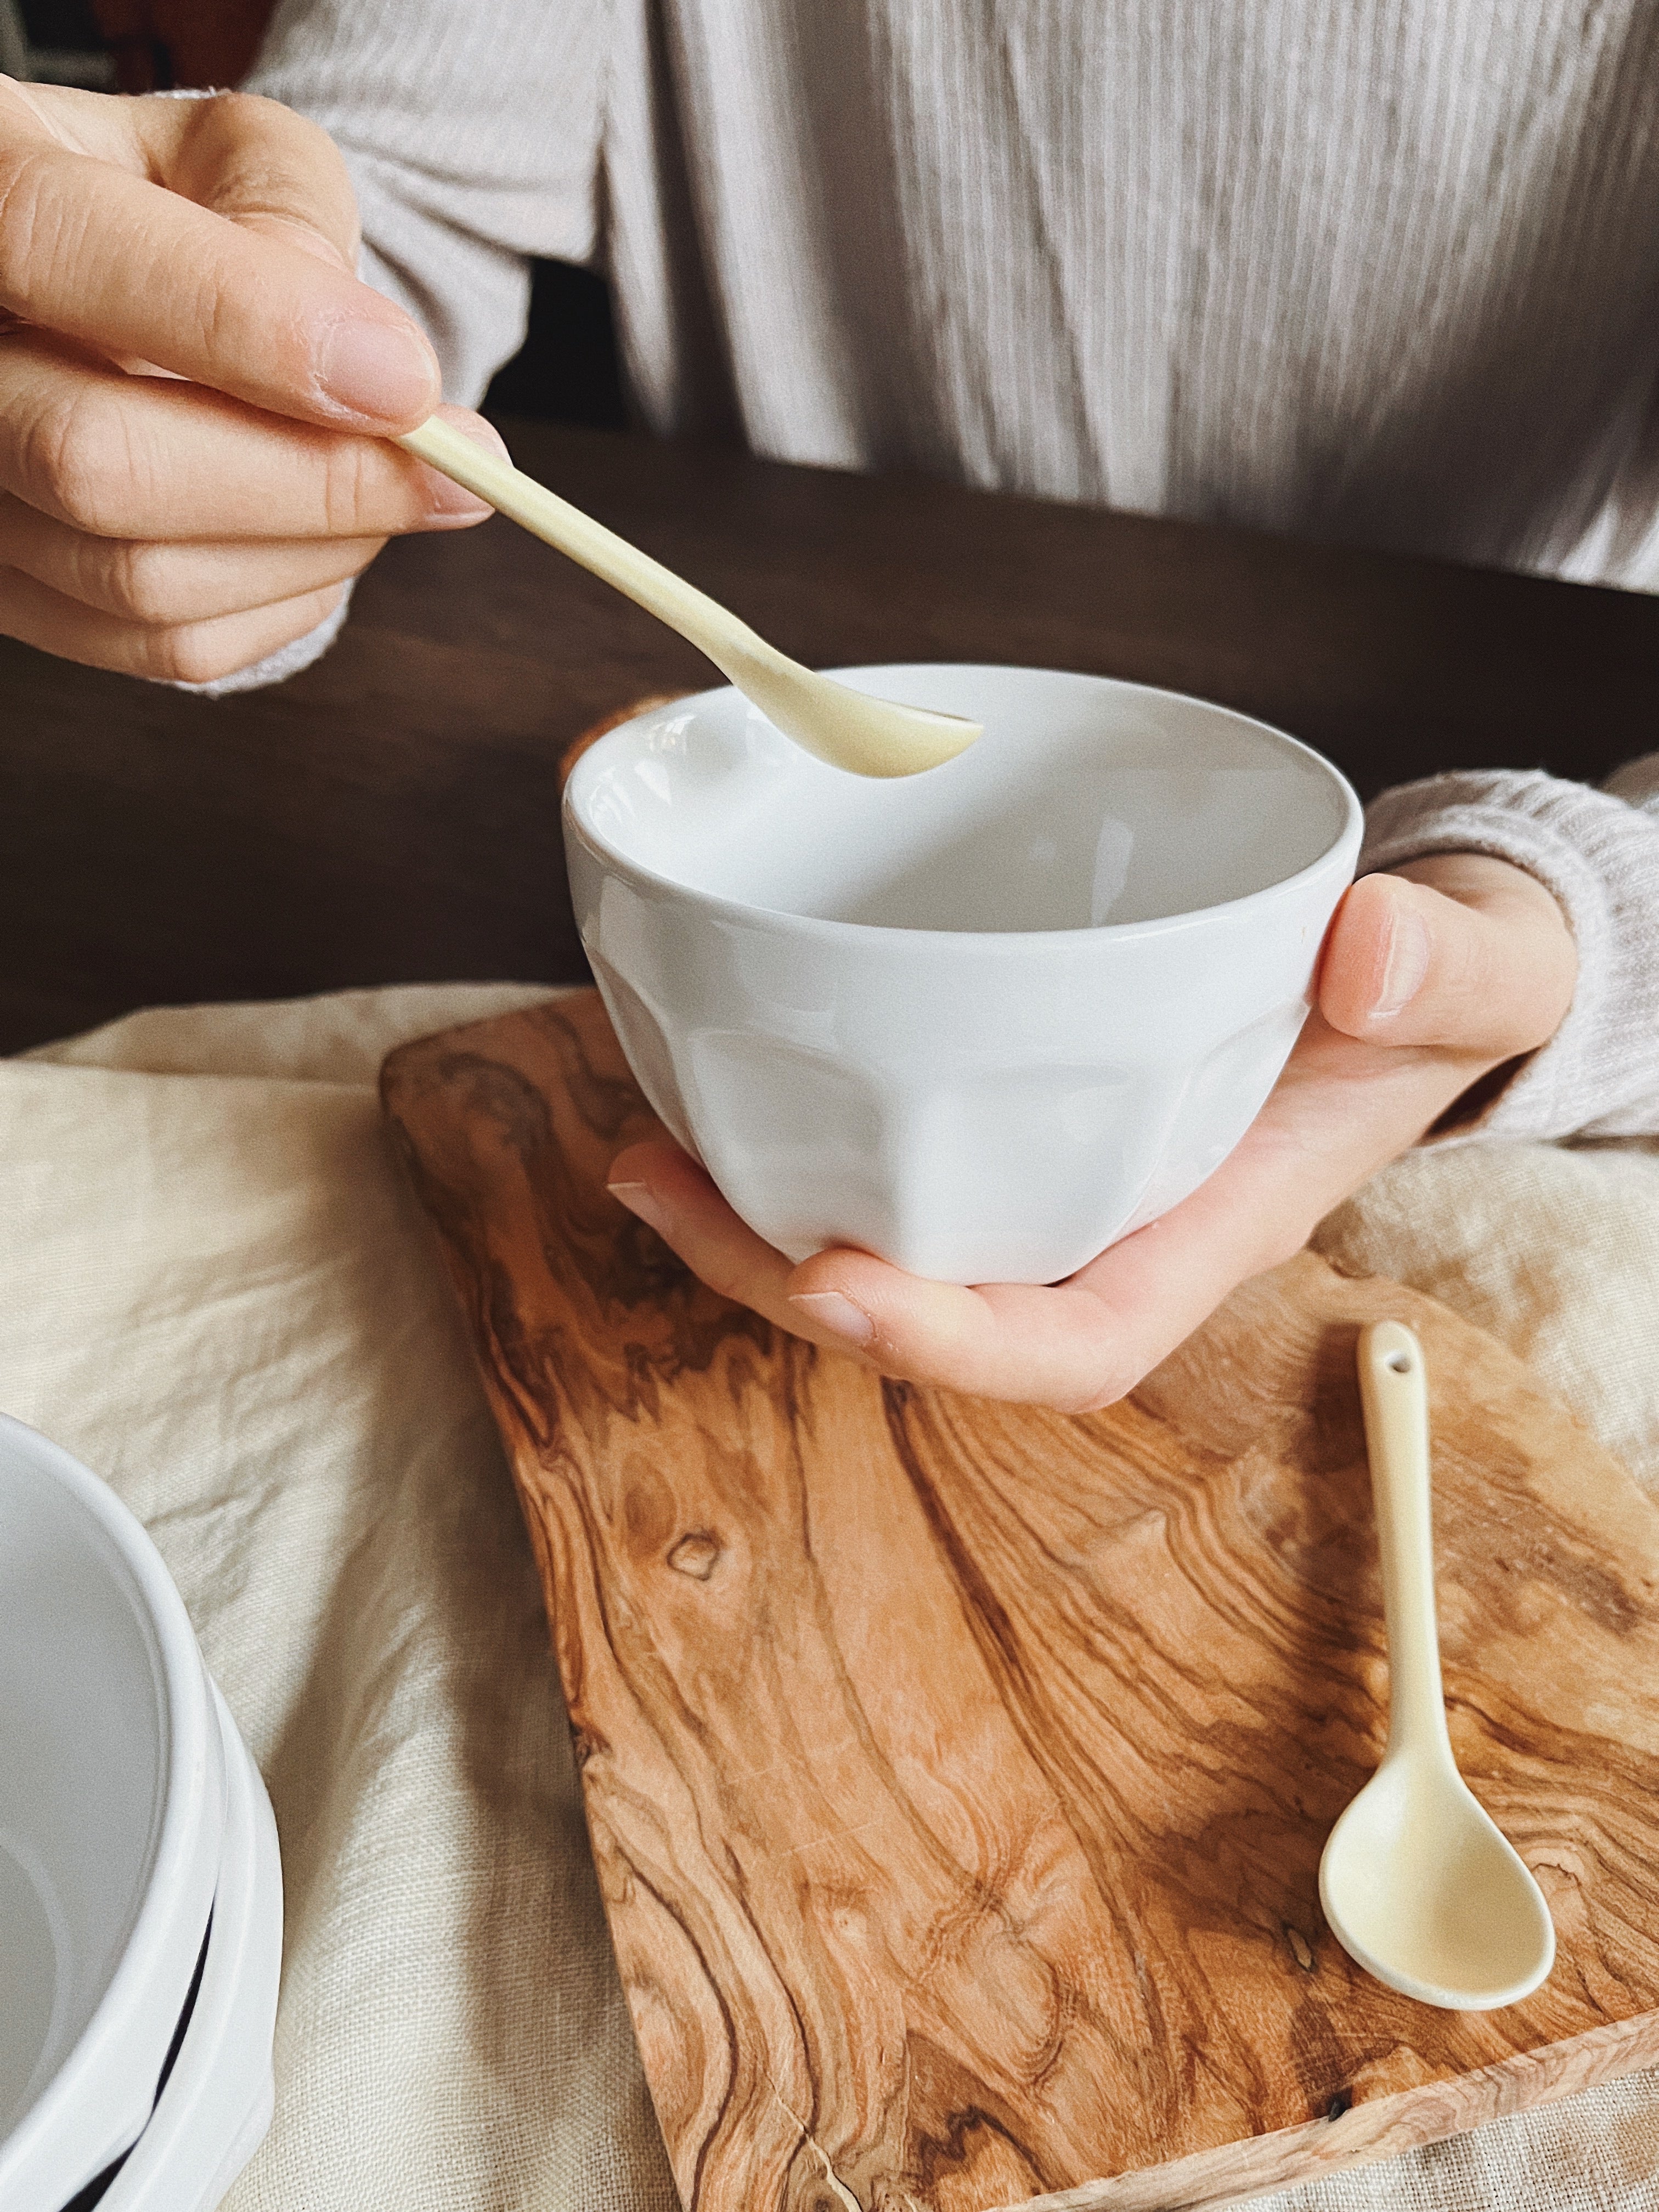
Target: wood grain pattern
<point x="392" y="814"/>
<point x="956" y="1774"/>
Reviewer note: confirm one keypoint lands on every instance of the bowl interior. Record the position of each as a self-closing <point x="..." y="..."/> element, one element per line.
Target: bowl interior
<point x="84" y="1764"/>
<point x="1086" y="801"/>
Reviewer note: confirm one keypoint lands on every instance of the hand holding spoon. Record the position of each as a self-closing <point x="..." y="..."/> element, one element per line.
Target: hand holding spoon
<point x="1418" y="1885"/>
<point x="870" y="737"/>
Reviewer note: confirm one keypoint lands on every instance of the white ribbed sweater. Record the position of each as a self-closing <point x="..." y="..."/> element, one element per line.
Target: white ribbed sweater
<point x="1385" y="271"/>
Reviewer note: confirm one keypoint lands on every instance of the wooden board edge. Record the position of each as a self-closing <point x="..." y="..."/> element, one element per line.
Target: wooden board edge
<point x="464" y="1036"/>
<point x="1232" y="2172"/>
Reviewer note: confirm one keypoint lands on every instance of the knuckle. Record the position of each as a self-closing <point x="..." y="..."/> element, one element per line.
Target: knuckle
<point x="1486" y="1006"/>
<point x="258" y="127"/>
<point x="303" y="143"/>
<point x="74" y="459"/>
<point x="1105" y="1389"/>
<point x="28" y="222"/>
<point x="1098" y="1359"/>
<point x="203" y="652"/>
<point x="214" y="315"/>
<point x="263" y="159"/>
<point x="241" y="114"/>
<point x="190" y="654"/>
<point x="350" y="489"/>
<point x="143" y="583"/>
<point x="722" y="1275"/>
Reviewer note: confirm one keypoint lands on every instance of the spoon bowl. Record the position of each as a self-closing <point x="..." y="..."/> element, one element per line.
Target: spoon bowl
<point x="1417" y="1883"/>
<point x="866" y="736"/>
<point x="1427" y="1892"/>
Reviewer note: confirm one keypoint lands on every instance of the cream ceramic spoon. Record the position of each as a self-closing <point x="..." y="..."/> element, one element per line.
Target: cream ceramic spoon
<point x="1419" y="1884"/>
<point x="870" y="737"/>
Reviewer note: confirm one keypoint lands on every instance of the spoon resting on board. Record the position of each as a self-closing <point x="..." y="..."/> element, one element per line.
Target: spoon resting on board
<point x="1419" y="1884"/>
<point x="870" y="736"/>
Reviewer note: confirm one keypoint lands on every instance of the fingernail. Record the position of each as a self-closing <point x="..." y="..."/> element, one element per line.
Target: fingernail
<point x="1408" y="960"/>
<point x="385" y="371"/>
<point x="642" y="1201"/>
<point x="477" y="432"/>
<point x="828" y="1309"/>
<point x="449" y="504"/>
<point x="452" y="502"/>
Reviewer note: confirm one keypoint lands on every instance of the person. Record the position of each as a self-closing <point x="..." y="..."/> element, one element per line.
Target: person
<point x="1396" y="292"/>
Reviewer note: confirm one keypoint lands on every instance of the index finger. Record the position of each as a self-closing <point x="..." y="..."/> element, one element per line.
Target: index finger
<point x="107" y="257"/>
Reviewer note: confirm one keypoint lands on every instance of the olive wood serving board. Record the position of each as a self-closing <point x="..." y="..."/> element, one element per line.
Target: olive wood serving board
<point x="957" y="1773"/>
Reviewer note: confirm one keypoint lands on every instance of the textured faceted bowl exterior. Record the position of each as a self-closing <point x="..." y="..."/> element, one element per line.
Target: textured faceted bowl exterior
<point x="993" y="1106"/>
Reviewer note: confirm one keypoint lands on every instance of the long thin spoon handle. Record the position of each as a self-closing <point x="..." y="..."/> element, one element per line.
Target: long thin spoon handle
<point x="1394" y="1394"/>
<point x="730" y="644"/>
<point x="850" y="728"/>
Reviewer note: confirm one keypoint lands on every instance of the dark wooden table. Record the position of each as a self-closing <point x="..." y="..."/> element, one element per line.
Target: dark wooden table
<point x="393" y="814"/>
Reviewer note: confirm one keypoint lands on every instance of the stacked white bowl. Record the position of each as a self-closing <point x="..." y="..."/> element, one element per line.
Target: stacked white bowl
<point x="139" y="1886"/>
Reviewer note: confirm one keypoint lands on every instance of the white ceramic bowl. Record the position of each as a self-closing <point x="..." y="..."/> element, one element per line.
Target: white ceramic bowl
<point x="124" y="1796"/>
<point x="983" y="1021"/>
<point x="216" y="2104"/>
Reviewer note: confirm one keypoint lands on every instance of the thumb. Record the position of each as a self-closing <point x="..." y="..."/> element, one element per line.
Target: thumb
<point x="211" y="238"/>
<point x="1466" y="954"/>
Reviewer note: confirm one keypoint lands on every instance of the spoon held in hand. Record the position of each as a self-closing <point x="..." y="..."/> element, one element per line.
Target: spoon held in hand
<point x="1419" y="1884"/>
<point x="870" y="736"/>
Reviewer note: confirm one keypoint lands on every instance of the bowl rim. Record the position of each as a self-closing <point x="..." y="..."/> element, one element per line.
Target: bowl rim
<point x="164" y="1935"/>
<point x="588" y="768"/>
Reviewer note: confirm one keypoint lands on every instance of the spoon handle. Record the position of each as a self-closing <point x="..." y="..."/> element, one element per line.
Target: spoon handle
<point x="1393" y="1393"/>
<point x="732" y="646"/>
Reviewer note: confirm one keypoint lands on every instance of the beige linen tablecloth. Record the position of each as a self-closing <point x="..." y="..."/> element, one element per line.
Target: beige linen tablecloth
<point x="215" y="1289"/>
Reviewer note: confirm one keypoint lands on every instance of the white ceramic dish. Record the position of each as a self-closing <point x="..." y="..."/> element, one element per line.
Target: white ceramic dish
<point x="215" y="2104"/>
<point x="982" y="1022"/>
<point x="127" y="1805"/>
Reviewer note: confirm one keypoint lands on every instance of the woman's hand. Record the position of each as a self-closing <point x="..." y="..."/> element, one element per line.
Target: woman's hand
<point x="187" y="522"/>
<point x="1431" y="978"/>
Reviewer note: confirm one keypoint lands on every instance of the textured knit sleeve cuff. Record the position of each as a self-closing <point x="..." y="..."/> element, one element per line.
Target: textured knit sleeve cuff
<point x="1637" y="782"/>
<point x="1599" y="855"/>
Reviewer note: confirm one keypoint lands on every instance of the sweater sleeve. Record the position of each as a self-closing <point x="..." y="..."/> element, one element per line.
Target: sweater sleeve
<point x="1598" y="852"/>
<point x="472" y="138"/>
